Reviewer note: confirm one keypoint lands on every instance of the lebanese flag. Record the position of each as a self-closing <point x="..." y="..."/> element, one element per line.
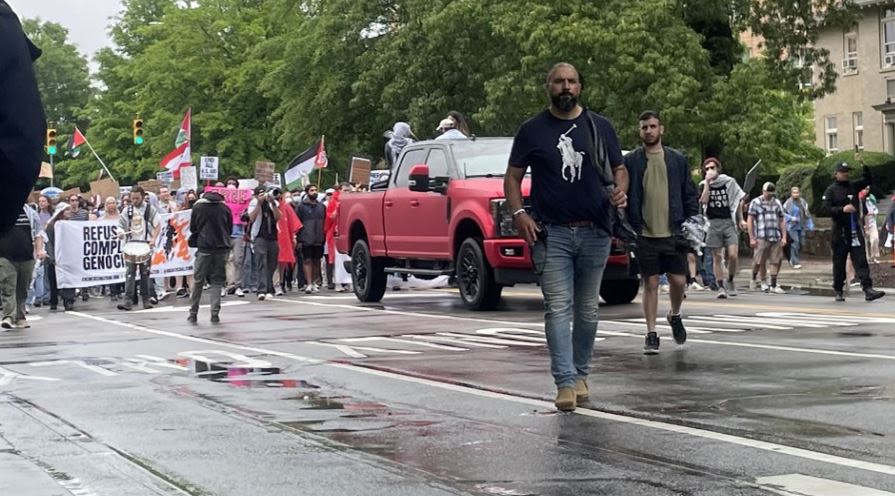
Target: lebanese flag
<point x="180" y="157"/>
<point x="320" y="160"/>
<point x="77" y="139"/>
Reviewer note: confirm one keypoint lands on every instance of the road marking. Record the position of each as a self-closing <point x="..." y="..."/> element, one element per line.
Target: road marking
<point x="7" y="376"/>
<point x="387" y="297"/>
<point x="402" y="341"/>
<point x="457" y="341"/>
<point x="241" y="361"/>
<point x="186" y="308"/>
<point x="77" y="363"/>
<point x="804" y="485"/>
<point x="653" y="424"/>
<point x="353" y="352"/>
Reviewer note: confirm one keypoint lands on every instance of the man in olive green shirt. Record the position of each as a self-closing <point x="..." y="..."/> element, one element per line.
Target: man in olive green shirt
<point x="661" y="196"/>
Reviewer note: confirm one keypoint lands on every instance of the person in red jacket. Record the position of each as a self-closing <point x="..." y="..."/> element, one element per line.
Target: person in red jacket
<point x="288" y="226"/>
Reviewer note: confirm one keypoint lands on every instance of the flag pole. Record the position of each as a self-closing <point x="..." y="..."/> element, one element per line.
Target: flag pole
<point x="100" y="160"/>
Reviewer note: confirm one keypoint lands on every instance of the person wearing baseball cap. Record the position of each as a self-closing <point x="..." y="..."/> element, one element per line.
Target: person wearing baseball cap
<point x="767" y="235"/>
<point x="841" y="202"/>
<point x="447" y="130"/>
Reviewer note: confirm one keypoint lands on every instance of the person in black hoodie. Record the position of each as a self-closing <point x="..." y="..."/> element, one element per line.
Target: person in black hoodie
<point x="210" y="226"/>
<point x="840" y="200"/>
<point x="22" y="121"/>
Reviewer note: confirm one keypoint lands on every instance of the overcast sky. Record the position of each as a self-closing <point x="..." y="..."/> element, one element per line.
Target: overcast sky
<point x="86" y="20"/>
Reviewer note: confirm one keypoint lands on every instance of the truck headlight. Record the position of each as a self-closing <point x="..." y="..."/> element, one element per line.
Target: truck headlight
<point x="503" y="220"/>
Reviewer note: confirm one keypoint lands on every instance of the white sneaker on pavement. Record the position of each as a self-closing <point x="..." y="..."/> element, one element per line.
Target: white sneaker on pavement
<point x="695" y="286"/>
<point x="315" y="289"/>
<point x="261" y="296"/>
<point x="797" y="266"/>
<point x="309" y="289"/>
<point x="777" y="290"/>
<point x="268" y="296"/>
<point x="753" y="285"/>
<point x="239" y="292"/>
<point x="279" y="292"/>
<point x="764" y="287"/>
<point x="722" y="293"/>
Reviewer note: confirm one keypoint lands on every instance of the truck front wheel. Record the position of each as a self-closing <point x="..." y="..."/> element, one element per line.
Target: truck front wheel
<point x="478" y="290"/>
<point x="367" y="273"/>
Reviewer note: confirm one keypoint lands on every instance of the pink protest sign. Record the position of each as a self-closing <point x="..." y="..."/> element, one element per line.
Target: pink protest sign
<point x="237" y="199"/>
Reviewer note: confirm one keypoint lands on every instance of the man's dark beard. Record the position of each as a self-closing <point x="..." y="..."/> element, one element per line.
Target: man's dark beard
<point x="312" y="196"/>
<point x="565" y="102"/>
<point x="651" y="143"/>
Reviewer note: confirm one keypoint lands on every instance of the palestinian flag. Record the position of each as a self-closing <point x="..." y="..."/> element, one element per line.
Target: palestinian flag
<point x="77" y="139"/>
<point x="302" y="165"/>
<point x="180" y="156"/>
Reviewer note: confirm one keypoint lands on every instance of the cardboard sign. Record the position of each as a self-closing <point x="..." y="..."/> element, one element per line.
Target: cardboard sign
<point x="264" y="172"/>
<point x="104" y="188"/>
<point x="208" y="168"/>
<point x="152" y="185"/>
<point x="188" y="178"/>
<point x="33" y="197"/>
<point x="360" y="170"/>
<point x="65" y="195"/>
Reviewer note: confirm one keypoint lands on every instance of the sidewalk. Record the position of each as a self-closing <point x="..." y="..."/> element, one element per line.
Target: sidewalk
<point x="815" y="276"/>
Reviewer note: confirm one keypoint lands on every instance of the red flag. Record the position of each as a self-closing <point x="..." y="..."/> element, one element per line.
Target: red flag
<point x="329" y="226"/>
<point x="181" y="156"/>
<point x="321" y="161"/>
<point x="77" y="139"/>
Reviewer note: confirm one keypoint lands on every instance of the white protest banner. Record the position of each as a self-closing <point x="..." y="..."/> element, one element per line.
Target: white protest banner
<point x="277" y="180"/>
<point x="171" y="256"/>
<point x="248" y="183"/>
<point x="88" y="254"/>
<point x="208" y="168"/>
<point x="188" y="178"/>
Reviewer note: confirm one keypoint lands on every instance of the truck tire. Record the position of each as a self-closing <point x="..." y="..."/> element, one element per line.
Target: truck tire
<point x="367" y="273"/>
<point x="475" y="278"/>
<point x="619" y="292"/>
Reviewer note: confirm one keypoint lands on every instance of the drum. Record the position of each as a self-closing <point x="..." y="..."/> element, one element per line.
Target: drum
<point x="137" y="252"/>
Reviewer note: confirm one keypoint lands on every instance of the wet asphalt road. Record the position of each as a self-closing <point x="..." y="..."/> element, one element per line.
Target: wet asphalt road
<point x="772" y="394"/>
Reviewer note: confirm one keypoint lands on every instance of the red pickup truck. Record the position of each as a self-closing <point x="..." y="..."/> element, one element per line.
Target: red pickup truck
<point x="442" y="213"/>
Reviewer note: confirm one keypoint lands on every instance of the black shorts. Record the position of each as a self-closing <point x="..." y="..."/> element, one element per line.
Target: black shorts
<point x="661" y="256"/>
<point x="312" y="252"/>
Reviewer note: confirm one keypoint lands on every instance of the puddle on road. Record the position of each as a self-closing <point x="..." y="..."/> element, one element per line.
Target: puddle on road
<point x="242" y="377"/>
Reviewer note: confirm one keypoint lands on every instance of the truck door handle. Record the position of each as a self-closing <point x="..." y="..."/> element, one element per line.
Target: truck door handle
<point x="414" y="203"/>
<point x="388" y="203"/>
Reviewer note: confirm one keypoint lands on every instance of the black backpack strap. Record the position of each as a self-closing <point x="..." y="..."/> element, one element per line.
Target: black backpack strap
<point x="598" y="158"/>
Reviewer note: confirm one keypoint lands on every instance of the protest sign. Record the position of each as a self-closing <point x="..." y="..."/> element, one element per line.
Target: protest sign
<point x="88" y="254"/>
<point x="208" y="168"/>
<point x="188" y="178"/>
<point x="104" y="188"/>
<point x="69" y="192"/>
<point x="166" y="177"/>
<point x="248" y="184"/>
<point x="152" y="185"/>
<point x="125" y="190"/>
<point x="264" y="172"/>
<point x="171" y="255"/>
<point x="360" y="170"/>
<point x="237" y="200"/>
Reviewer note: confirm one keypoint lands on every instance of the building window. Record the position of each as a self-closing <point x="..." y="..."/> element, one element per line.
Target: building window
<point x="888" y="32"/>
<point x="832" y="135"/>
<point x="858" y="122"/>
<point x="850" y="48"/>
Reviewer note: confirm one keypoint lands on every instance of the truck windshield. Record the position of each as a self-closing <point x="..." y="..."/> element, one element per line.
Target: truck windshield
<point x="483" y="157"/>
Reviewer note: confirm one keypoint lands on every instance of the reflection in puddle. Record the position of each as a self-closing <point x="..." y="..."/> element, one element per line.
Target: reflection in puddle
<point x="243" y="377"/>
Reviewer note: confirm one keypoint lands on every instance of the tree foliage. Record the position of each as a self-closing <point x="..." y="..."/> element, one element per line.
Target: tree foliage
<point x="266" y="78"/>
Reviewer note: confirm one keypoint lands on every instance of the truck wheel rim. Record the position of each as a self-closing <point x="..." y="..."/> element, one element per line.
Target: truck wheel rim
<point x="360" y="272"/>
<point x="469" y="276"/>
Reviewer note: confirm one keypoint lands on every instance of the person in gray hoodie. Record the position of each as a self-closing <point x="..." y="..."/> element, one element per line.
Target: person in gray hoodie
<point x="722" y="200"/>
<point x="210" y="226"/>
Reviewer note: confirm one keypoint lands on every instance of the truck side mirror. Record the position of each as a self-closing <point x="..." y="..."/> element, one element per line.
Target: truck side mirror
<point x="419" y="178"/>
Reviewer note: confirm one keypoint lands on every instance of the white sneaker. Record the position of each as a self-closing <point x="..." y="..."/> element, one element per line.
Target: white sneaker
<point x="722" y="293"/>
<point x="753" y="285"/>
<point x="268" y="296"/>
<point x="764" y="287"/>
<point x="239" y="292"/>
<point x="777" y="290"/>
<point x="797" y="266"/>
<point x="308" y="289"/>
<point x="279" y="292"/>
<point x="695" y="286"/>
<point x="315" y="289"/>
<point x="340" y="289"/>
<point x="261" y="296"/>
<point x="664" y="288"/>
<point x="223" y="292"/>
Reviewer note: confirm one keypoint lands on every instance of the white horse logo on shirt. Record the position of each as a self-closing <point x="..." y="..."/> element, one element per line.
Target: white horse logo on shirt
<point x="571" y="159"/>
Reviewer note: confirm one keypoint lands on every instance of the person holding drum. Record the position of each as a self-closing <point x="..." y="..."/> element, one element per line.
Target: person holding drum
<point x="139" y="227"/>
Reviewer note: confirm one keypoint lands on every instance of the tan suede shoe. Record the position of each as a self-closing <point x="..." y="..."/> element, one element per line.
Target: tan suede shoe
<point x="581" y="390"/>
<point x="565" y="399"/>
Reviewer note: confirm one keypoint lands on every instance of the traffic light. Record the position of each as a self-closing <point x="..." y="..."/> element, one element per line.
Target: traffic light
<point x="138" y="131"/>
<point x="51" y="141"/>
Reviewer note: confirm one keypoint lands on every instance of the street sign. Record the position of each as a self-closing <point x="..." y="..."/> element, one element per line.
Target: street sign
<point x="208" y="168"/>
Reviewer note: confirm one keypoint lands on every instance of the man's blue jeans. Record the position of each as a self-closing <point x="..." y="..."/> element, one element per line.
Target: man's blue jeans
<point x="796" y="240"/>
<point x="570" y="262"/>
